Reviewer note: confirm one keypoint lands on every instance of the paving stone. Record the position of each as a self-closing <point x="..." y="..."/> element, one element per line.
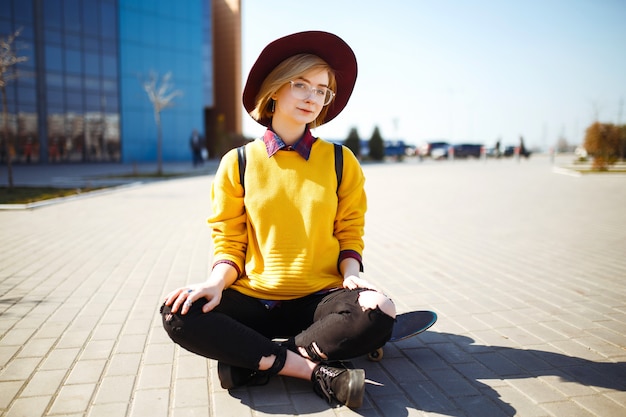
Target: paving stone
<point x="452" y="382"/>
<point x="19" y="369"/>
<point x="154" y="376"/>
<point x="226" y="404"/>
<point x="124" y="364"/>
<point x="567" y="408"/>
<point x="60" y="359"/>
<point x="36" y="348"/>
<point x="44" y="383"/>
<point x="72" y="399"/>
<point x="601" y="405"/>
<point x="8" y="390"/>
<point x="115" y="389"/>
<point x="191" y="392"/>
<point x="86" y="371"/>
<point x="108" y="410"/>
<point x="401" y="371"/>
<point x="429" y="397"/>
<point x="153" y="402"/>
<point x="17" y="336"/>
<point x="161" y="353"/>
<point x="97" y="349"/>
<point x="28" y="407"/>
<point x="6" y="353"/>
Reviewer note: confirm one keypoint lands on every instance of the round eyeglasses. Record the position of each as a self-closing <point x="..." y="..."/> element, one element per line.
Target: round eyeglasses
<point x="303" y="91"/>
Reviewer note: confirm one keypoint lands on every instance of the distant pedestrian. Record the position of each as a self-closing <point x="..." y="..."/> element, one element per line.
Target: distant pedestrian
<point x="3" y="151"/>
<point x="28" y="150"/>
<point x="522" y="148"/>
<point x="196" y="144"/>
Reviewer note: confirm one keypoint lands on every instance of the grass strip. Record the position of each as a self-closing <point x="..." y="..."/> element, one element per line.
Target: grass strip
<point x="26" y="195"/>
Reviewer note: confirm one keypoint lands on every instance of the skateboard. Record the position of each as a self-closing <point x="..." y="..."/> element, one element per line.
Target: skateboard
<point x="407" y="325"/>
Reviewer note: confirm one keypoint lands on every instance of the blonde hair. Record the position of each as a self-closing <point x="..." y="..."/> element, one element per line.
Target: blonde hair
<point x="290" y="69"/>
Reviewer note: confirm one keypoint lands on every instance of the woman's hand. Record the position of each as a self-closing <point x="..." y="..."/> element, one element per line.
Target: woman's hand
<point x="352" y="282"/>
<point x="222" y="276"/>
<point x="183" y="298"/>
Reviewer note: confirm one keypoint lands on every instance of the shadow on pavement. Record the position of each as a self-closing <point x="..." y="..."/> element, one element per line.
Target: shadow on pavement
<point x="452" y="367"/>
<point x="442" y="373"/>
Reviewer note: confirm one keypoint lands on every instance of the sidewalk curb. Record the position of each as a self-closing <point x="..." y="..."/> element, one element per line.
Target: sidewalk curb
<point x="566" y="171"/>
<point x="58" y="200"/>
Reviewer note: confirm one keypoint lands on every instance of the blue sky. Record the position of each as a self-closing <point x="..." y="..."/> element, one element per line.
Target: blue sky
<point x="473" y="70"/>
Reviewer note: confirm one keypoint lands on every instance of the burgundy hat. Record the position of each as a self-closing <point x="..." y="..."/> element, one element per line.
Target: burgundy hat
<point x="327" y="46"/>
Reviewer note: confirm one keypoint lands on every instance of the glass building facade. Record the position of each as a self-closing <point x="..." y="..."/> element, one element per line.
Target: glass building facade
<point x="79" y="95"/>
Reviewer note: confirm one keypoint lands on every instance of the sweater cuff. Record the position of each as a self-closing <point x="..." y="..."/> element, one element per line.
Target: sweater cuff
<point x="345" y="254"/>
<point x="231" y="263"/>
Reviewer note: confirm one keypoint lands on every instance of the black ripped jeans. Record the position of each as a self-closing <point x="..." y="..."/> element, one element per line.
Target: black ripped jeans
<point x="239" y="331"/>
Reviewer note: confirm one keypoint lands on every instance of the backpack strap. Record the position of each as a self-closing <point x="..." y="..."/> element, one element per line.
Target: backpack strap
<point x="338" y="164"/>
<point x="241" y="159"/>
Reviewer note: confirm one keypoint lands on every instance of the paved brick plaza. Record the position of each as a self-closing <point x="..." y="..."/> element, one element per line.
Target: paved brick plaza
<point x="525" y="267"/>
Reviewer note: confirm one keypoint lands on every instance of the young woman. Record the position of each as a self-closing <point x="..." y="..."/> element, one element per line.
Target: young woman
<point x="288" y="238"/>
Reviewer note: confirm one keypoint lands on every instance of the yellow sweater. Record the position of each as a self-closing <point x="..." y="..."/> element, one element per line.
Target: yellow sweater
<point x="286" y="233"/>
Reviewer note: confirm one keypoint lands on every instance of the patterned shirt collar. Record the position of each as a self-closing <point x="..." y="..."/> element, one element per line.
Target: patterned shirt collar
<point x="273" y="143"/>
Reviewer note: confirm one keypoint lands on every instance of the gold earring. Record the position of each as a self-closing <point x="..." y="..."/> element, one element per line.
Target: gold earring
<point x="273" y="105"/>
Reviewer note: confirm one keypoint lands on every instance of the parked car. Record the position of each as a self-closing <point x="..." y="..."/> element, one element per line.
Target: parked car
<point x="465" y="150"/>
<point x="510" y="151"/>
<point x="435" y="150"/>
<point x="395" y="148"/>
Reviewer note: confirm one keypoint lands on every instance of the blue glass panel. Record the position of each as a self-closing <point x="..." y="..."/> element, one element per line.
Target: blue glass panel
<point x="54" y="80"/>
<point x="91" y="18"/>
<point x="71" y="16"/>
<point x="26" y="78"/>
<point x="92" y="84"/>
<point x="73" y="81"/>
<point x="26" y="94"/>
<point x="93" y="102"/>
<point x="52" y="12"/>
<point x="55" y="99"/>
<point x="109" y="66"/>
<point x="27" y="107"/>
<point x="110" y="103"/>
<point x="109" y="85"/>
<point x="92" y="64"/>
<point x="74" y="101"/>
<point x="53" y="36"/>
<point x="108" y="47"/>
<point x="26" y="50"/>
<point x="91" y="44"/>
<point x="6" y="10"/>
<point x="22" y="11"/>
<point x="73" y="61"/>
<point x="26" y="33"/>
<point x="108" y="20"/>
<point x="54" y="58"/>
<point x="5" y="26"/>
<point x="72" y="41"/>
<point x="150" y="31"/>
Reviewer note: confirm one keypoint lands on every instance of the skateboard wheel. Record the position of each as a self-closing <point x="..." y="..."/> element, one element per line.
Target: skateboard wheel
<point x="376" y="355"/>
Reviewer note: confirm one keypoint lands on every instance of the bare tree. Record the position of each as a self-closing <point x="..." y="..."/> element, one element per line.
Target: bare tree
<point x="161" y="95"/>
<point x="8" y="59"/>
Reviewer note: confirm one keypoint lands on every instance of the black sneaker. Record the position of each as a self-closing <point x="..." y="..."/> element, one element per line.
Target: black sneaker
<point x="346" y="386"/>
<point x="234" y="376"/>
